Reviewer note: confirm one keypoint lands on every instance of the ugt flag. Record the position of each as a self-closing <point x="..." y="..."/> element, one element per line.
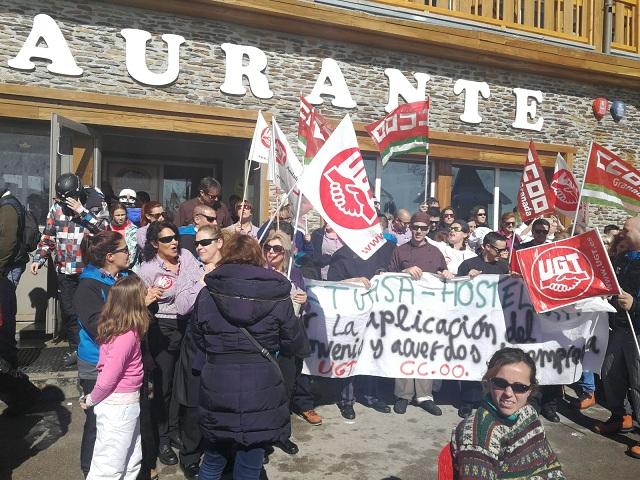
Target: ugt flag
<point x="284" y="164"/>
<point x="564" y="189"/>
<point x="313" y="130"/>
<point x="564" y="272"/>
<point x="261" y="142"/>
<point x="336" y="184"/>
<point x="611" y="181"/>
<point x="405" y="130"/>
<point x="533" y="196"/>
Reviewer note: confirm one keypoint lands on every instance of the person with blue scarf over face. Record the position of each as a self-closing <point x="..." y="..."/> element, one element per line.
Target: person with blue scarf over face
<point x="107" y="257"/>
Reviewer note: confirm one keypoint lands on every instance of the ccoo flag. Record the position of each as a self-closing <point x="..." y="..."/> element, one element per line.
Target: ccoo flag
<point x="313" y="130"/>
<point x="336" y="184"/>
<point x="284" y="164"/>
<point x="564" y="189"/>
<point x="405" y="130"/>
<point x="609" y="180"/>
<point x="533" y="196"/>
<point x="261" y="142"/>
<point x="564" y="272"/>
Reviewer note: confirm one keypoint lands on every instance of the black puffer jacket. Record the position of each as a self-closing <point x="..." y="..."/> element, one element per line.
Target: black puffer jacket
<point x="242" y="396"/>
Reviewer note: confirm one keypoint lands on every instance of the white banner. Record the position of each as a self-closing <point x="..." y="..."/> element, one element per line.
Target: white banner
<point x="285" y="166"/>
<point x="261" y="142"/>
<point x="336" y="184"/>
<point x="402" y="328"/>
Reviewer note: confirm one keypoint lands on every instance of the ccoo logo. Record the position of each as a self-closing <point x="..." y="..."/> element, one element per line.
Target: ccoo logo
<point x="345" y="193"/>
<point x="265" y="137"/>
<point x="561" y="273"/>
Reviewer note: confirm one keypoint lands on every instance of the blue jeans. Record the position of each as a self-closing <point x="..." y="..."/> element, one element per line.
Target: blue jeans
<point x="247" y="466"/>
<point x="586" y="384"/>
<point x="15" y="273"/>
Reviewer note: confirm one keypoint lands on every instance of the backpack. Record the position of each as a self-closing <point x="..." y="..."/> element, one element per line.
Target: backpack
<point x="28" y="231"/>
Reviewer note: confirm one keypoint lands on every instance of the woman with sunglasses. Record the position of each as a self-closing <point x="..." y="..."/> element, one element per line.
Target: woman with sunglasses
<point x="447" y="216"/>
<point x="244" y="310"/>
<point x="457" y="243"/>
<point x="151" y="212"/>
<point x="504" y="438"/>
<point x="479" y="215"/>
<point x="120" y="223"/>
<point x="186" y="385"/>
<point x="107" y="257"/>
<point x="278" y="253"/>
<point x="244" y="225"/>
<point x="178" y="274"/>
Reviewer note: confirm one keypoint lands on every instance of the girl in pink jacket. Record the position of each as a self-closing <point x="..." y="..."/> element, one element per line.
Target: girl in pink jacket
<point x="115" y="398"/>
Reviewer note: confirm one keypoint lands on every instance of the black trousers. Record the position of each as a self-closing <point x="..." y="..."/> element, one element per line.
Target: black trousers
<point x="148" y="432"/>
<point x="164" y="338"/>
<point x="298" y="385"/>
<point x="89" y="430"/>
<point x="470" y="394"/>
<point x="190" y="435"/>
<point x="8" y="306"/>
<point x="67" y="285"/>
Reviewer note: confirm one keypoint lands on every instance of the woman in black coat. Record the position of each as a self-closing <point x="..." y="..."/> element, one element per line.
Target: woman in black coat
<point x="243" y="400"/>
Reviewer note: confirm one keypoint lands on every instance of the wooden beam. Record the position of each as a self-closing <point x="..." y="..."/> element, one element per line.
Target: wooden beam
<point x="465" y="45"/>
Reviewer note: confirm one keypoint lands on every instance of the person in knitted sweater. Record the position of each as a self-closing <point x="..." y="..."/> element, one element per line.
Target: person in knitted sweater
<point x="504" y="438"/>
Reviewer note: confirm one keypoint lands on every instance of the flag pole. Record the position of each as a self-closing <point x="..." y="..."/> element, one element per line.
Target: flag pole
<point x="426" y="160"/>
<point x="584" y="177"/>
<point x="295" y="225"/>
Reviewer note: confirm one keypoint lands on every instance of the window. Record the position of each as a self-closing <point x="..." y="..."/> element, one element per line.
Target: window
<point x="24" y="164"/>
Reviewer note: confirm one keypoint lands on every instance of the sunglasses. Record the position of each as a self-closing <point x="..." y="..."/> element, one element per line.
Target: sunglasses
<point x="273" y="248"/>
<point x="422" y="228"/>
<point x="209" y="218"/>
<point x="455" y="229"/>
<point x="499" y="250"/>
<point x="448" y="215"/>
<point x="156" y="215"/>
<point x="205" y="242"/>
<point x="167" y="239"/>
<point x="541" y="231"/>
<point x="121" y="250"/>
<point x="510" y="223"/>
<point x="501" y="384"/>
<point x="209" y="195"/>
<point x="247" y="208"/>
<point x="481" y="214"/>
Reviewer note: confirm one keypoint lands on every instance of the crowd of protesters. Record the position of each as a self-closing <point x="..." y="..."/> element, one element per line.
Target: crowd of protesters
<point x="188" y="334"/>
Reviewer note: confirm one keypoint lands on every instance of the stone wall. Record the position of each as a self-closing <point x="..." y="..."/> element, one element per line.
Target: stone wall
<point x="92" y="32"/>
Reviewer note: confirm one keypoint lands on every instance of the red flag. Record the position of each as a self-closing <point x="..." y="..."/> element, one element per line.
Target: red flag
<point x="562" y="273"/>
<point x="564" y="189"/>
<point x="534" y="197"/>
<point x="405" y="130"/>
<point x="313" y="130"/>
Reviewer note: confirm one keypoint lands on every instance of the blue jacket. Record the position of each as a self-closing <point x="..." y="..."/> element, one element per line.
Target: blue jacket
<point x="88" y="300"/>
<point x="242" y="395"/>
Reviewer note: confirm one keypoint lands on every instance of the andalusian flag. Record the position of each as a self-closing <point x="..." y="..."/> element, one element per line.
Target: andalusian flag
<point x="609" y="180"/>
<point x="313" y="131"/>
<point x="405" y="130"/>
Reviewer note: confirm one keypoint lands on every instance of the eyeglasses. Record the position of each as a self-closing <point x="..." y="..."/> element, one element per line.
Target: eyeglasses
<point x="481" y="214"/>
<point x="455" y="229"/>
<point x="546" y="232"/>
<point x="205" y="242"/>
<point x="422" y="228"/>
<point x="167" y="239"/>
<point x="273" y="248"/>
<point x="121" y="250"/>
<point x="209" y="218"/>
<point x="501" y="384"/>
<point x="156" y="215"/>
<point x="498" y="250"/>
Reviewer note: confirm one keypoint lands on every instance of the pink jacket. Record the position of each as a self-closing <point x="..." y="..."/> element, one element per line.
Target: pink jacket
<point x="119" y="367"/>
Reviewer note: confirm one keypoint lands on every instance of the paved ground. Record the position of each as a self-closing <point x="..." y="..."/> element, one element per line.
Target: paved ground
<point x="45" y="444"/>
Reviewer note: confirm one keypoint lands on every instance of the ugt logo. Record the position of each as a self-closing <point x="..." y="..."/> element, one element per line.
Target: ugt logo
<point x="345" y="193"/>
<point x="562" y="272"/>
<point x="265" y="137"/>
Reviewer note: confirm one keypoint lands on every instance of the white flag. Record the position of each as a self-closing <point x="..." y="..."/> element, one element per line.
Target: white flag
<point x="336" y="184"/>
<point x="261" y="142"/>
<point x="284" y="166"/>
<point x="564" y="189"/>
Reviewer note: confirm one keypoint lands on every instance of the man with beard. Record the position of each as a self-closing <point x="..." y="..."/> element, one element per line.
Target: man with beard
<point x="209" y="193"/>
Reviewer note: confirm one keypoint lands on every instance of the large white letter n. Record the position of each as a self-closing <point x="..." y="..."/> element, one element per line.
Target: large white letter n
<point x="136" y="57"/>
<point x="56" y="50"/>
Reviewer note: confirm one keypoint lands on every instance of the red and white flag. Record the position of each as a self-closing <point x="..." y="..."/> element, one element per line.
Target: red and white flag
<point x="534" y="199"/>
<point x="564" y="189"/>
<point x="313" y="130"/>
<point x="284" y="166"/>
<point x="405" y="130"/>
<point x="564" y="272"/>
<point x="336" y="184"/>
<point x="261" y="142"/>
